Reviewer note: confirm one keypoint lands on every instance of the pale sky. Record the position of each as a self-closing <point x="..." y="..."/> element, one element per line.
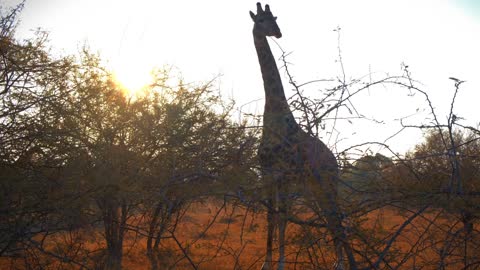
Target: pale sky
<point x="436" y="38"/>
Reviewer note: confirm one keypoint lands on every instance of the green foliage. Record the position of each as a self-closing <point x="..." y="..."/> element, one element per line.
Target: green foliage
<point x="432" y="171"/>
<point x="365" y="181"/>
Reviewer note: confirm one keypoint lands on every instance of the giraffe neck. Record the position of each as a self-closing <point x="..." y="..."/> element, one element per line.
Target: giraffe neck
<point x="275" y="101"/>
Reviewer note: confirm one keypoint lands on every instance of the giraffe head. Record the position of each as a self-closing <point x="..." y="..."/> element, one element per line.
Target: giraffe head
<point x="265" y="22"/>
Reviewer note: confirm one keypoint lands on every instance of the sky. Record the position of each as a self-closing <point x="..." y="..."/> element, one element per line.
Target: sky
<point x="437" y="39"/>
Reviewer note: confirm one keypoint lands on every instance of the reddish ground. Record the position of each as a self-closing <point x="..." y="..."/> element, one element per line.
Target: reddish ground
<point x="236" y="240"/>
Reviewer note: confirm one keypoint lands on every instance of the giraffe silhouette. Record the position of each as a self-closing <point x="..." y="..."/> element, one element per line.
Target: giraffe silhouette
<point x="289" y="155"/>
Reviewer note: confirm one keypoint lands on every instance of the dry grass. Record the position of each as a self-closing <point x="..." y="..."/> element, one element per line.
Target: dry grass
<point x="236" y="240"/>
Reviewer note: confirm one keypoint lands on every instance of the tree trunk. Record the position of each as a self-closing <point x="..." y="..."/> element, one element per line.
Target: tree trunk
<point x="267" y="265"/>
<point x="114" y="218"/>
<point x="114" y="258"/>
<point x="152" y="235"/>
<point x="152" y="257"/>
<point x="282" y="227"/>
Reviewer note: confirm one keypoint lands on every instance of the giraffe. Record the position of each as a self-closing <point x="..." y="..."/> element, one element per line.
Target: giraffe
<point x="288" y="154"/>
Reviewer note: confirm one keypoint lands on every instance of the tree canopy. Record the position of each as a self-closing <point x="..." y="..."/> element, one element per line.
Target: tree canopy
<point x="90" y="176"/>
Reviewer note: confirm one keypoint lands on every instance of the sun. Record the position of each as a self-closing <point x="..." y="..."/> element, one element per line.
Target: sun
<point x="132" y="76"/>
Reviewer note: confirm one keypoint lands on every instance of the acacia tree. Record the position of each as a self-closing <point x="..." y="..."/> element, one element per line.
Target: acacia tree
<point x="77" y="153"/>
<point x="364" y="181"/>
<point x="425" y="177"/>
<point x="149" y="156"/>
<point x="194" y="152"/>
<point x="26" y="165"/>
<point x="69" y="132"/>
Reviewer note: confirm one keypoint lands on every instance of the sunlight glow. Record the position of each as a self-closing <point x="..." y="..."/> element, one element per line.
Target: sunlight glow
<point x="132" y="76"/>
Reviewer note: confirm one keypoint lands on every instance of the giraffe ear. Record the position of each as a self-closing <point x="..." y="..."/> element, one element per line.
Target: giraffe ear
<point x="252" y="16"/>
